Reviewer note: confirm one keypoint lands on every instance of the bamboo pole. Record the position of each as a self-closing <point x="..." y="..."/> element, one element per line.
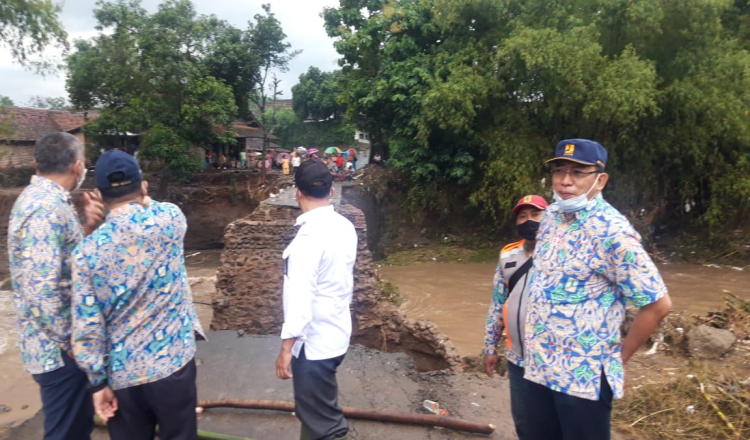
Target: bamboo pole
<point x="202" y="435"/>
<point x="358" y="413"/>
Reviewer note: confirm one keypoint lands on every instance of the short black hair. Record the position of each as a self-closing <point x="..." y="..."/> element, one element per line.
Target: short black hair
<point x="122" y="192"/>
<point x="56" y="152"/>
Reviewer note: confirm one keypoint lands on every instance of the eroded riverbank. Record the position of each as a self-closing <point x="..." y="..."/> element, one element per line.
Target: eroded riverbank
<point x="456" y="296"/>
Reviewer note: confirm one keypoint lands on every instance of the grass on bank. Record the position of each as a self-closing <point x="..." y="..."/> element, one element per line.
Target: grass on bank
<point x="706" y="405"/>
<point x="408" y="254"/>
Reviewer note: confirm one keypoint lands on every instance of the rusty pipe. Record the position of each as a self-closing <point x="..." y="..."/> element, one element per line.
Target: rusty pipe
<point x="363" y="414"/>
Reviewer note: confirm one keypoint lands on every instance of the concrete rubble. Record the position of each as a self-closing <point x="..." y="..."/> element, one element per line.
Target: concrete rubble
<point x="249" y="286"/>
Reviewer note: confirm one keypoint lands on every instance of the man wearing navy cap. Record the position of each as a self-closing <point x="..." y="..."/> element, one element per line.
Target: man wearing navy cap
<point x="318" y="287"/>
<point x="588" y="262"/>
<point x="133" y="312"/>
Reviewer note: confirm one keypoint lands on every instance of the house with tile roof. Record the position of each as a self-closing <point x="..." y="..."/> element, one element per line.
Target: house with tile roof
<point x="21" y="127"/>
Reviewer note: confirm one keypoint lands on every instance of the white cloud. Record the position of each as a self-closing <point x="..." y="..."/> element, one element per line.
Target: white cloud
<point x="300" y="20"/>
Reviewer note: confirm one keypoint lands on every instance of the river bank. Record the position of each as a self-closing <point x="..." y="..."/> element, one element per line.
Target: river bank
<point x="456" y="296"/>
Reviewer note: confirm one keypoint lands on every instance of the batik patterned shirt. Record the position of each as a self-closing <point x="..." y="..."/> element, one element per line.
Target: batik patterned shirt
<point x="586" y="266"/>
<point x="133" y="310"/>
<point x="42" y="232"/>
<point x="493" y="327"/>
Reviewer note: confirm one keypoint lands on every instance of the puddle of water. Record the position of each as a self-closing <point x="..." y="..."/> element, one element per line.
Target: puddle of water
<point x="456" y="296"/>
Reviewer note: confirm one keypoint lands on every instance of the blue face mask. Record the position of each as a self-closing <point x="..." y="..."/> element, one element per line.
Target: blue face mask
<point x="575" y="203"/>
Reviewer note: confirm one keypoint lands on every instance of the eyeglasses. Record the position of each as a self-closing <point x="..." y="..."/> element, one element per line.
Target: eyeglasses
<point x="575" y="174"/>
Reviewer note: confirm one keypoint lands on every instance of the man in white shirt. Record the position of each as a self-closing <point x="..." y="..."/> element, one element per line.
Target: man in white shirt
<point x="318" y="286"/>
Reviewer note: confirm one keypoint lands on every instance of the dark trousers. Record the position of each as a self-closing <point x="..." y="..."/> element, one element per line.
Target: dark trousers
<point x="518" y="391"/>
<point x="66" y="402"/>
<point x="316" y="395"/>
<point x="169" y="403"/>
<point x="554" y="415"/>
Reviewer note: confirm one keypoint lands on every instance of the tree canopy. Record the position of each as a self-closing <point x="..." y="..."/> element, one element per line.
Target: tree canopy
<point x="176" y="77"/>
<point x="474" y="95"/>
<point x="27" y="27"/>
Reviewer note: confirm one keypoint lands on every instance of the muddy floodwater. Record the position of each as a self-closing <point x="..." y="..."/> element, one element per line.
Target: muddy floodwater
<point x="456" y="296"/>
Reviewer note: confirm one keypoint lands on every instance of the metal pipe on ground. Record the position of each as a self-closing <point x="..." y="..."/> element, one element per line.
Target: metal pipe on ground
<point x="358" y="413"/>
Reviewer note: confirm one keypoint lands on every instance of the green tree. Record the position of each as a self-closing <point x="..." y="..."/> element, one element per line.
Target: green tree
<point x="473" y="95"/>
<point x="5" y="101"/>
<point x="315" y="96"/>
<point x="46" y="102"/>
<point x="268" y="42"/>
<point x="27" y="27"/>
<point x="148" y="74"/>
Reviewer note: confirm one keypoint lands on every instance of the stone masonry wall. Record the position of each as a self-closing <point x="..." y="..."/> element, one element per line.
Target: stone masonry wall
<point x="249" y="290"/>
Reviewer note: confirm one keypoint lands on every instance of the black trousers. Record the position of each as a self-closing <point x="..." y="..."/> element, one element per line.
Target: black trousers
<point x="169" y="403"/>
<point x="316" y="395"/>
<point x="552" y="415"/>
<point x="66" y="402"/>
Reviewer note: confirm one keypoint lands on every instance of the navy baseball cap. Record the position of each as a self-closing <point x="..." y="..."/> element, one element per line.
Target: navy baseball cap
<point x="116" y="168"/>
<point x="313" y="178"/>
<point x="581" y="151"/>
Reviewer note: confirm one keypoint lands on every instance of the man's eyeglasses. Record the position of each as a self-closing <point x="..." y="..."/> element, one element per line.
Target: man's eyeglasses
<point x="575" y="174"/>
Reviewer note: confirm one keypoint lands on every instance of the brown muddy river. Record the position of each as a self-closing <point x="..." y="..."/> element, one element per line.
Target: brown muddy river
<point x="456" y="296"/>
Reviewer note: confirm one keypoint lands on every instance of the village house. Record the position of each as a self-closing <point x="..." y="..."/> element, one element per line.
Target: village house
<point x="21" y="127"/>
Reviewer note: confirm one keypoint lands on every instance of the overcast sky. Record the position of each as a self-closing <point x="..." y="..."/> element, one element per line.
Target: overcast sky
<point x="300" y="20"/>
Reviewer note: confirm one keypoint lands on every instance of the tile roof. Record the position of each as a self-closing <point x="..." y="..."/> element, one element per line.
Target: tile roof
<point x="30" y="124"/>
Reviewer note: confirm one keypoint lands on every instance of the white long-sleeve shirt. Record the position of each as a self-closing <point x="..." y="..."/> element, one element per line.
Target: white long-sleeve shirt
<point x="318" y="284"/>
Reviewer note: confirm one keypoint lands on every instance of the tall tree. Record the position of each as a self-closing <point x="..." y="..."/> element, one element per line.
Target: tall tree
<point x="27" y="27"/>
<point x="472" y="96"/>
<point x="147" y="74"/>
<point x="315" y="95"/>
<point x="268" y="42"/>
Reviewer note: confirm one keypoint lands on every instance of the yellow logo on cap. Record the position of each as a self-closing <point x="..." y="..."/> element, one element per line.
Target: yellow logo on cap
<point x="527" y="199"/>
<point x="569" y="149"/>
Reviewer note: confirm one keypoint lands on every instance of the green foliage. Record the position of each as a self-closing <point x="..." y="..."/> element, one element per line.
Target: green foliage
<point x="4" y="101"/>
<point x="46" y="102"/>
<point x="314" y="97"/>
<point x="468" y="98"/>
<point x="268" y="42"/>
<point x="27" y="27"/>
<point x="152" y="74"/>
<point x="293" y="132"/>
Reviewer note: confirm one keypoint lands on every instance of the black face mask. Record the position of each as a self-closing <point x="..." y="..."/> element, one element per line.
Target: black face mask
<point x="527" y="229"/>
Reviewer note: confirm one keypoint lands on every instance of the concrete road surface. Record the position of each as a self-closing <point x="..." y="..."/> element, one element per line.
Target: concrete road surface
<point x="234" y="367"/>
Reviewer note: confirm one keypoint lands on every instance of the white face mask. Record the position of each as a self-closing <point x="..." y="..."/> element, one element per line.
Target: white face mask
<point x="83" y="177"/>
<point x="575" y="203"/>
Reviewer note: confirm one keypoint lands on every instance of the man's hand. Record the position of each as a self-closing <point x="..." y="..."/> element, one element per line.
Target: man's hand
<point x="646" y="321"/>
<point x="490" y="364"/>
<point x="284" y="365"/>
<point x="93" y="210"/>
<point x="105" y="403"/>
<point x="284" y="361"/>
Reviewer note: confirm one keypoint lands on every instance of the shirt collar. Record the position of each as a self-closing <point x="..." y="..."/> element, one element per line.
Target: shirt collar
<point x="309" y="215"/>
<point x="50" y="186"/>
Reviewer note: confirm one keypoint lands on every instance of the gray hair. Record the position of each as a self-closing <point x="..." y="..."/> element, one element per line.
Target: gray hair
<point x="56" y="152"/>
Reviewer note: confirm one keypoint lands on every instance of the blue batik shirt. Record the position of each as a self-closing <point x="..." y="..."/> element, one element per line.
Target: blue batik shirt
<point x="42" y="232"/>
<point x="586" y="266"/>
<point x="133" y="311"/>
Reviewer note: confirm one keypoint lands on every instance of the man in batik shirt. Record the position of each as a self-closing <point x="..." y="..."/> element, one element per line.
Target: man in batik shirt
<point x="588" y="262"/>
<point x="133" y="312"/>
<point x="42" y="233"/>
